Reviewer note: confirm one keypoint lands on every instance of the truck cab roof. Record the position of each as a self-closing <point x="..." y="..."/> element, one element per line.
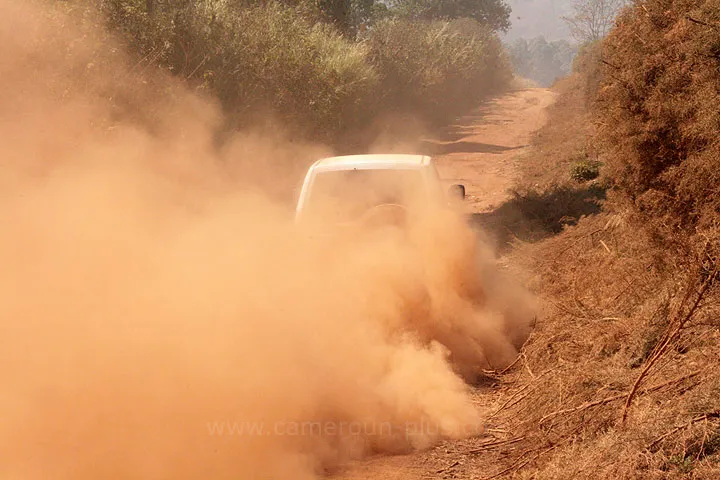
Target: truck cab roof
<point x="357" y="179"/>
<point x="371" y="162"/>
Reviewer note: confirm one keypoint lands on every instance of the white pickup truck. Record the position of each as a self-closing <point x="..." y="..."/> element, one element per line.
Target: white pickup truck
<point x="349" y="188"/>
<point x="482" y="318"/>
<point x="486" y="319"/>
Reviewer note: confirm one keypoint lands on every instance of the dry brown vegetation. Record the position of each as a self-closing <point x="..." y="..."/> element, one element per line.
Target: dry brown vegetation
<point x="659" y="115"/>
<point x="621" y="377"/>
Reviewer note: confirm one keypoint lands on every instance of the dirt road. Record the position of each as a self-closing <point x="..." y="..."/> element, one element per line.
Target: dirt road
<point x="481" y="151"/>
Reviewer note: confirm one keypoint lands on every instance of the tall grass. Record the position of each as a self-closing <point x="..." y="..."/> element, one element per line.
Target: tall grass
<point x="258" y="59"/>
<point x="275" y="59"/>
<point x="436" y="69"/>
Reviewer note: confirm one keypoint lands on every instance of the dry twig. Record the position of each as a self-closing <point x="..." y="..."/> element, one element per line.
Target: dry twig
<point x="689" y="423"/>
<point x="496" y="444"/>
<point x="700" y="22"/>
<point x="514" y="395"/>
<point x="603" y="401"/>
<point x="671" y="335"/>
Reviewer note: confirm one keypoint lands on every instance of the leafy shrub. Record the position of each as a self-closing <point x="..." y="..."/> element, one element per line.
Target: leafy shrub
<point x="585" y="169"/>
<point x="261" y="58"/>
<point x="280" y="60"/>
<point x="568" y="137"/>
<point x="587" y="65"/>
<point x="491" y="13"/>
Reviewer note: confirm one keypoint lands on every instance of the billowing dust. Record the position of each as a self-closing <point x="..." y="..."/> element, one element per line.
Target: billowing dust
<point x="162" y="317"/>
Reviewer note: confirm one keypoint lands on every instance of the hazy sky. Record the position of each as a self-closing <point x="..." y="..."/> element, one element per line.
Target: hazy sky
<point x="532" y="18"/>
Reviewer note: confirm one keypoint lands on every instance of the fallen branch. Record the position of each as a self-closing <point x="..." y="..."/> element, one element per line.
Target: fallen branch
<point x="603" y="401"/>
<point x="605" y="245"/>
<point x="671" y="336"/>
<point x="491" y="445"/>
<point x="689" y="423"/>
<point x="609" y="64"/>
<point x="521" y="351"/>
<point x="502" y="407"/>
<point x="580" y="408"/>
<point x="448" y="467"/>
<point x="511" y="467"/>
<point x="506" y="369"/>
<point x="527" y="367"/>
<point x="573" y="243"/>
<point x="517" y="465"/>
<point x="570" y="312"/>
<point x="514" y="395"/>
<point x="700" y="22"/>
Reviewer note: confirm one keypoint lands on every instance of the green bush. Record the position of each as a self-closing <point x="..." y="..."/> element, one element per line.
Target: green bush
<point x="279" y="60"/>
<point x="266" y="58"/>
<point x="585" y="169"/>
<point x="436" y="68"/>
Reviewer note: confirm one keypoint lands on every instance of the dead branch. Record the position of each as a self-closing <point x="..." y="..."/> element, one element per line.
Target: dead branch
<point x="490" y="445"/>
<point x="527" y="367"/>
<point x="605" y="246"/>
<point x="517" y="465"/>
<point x="603" y="401"/>
<point x="689" y="423"/>
<point x="456" y="463"/>
<point x="511" y="467"/>
<point x="570" y="311"/>
<point x="514" y="395"/>
<point x="671" y="336"/>
<point x="521" y="352"/>
<point x="504" y="405"/>
<point x="506" y="369"/>
<point x="700" y="22"/>
<point x="609" y="64"/>
<point x="199" y="65"/>
<point x="573" y="242"/>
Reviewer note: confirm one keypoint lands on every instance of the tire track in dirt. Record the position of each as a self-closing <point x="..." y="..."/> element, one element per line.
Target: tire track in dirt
<point x="481" y="150"/>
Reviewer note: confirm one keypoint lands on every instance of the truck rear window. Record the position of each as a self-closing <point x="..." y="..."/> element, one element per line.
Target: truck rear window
<point x="346" y="194"/>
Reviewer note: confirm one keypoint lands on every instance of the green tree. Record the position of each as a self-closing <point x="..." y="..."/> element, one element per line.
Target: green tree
<point x="492" y="13"/>
<point x="348" y="16"/>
